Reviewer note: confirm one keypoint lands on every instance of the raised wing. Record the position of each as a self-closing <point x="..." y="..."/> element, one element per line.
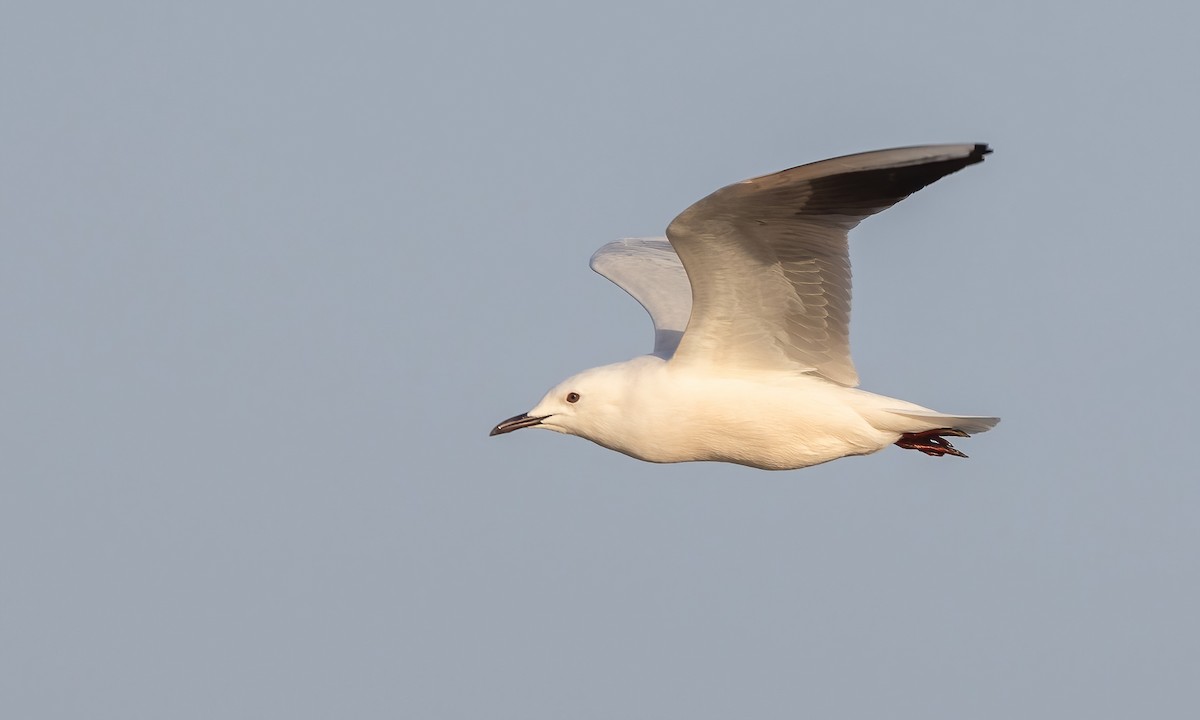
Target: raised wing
<point x="769" y="264"/>
<point x="650" y="271"/>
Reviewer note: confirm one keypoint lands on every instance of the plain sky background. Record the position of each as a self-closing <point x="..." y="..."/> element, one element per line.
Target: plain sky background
<point x="271" y="271"/>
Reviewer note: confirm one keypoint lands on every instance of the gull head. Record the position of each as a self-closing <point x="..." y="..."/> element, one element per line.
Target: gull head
<point x="587" y="405"/>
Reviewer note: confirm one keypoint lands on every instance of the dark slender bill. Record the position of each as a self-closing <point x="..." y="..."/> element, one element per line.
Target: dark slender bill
<point x="516" y="422"/>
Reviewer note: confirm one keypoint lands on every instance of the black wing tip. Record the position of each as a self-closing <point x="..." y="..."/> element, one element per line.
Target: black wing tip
<point x="975" y="155"/>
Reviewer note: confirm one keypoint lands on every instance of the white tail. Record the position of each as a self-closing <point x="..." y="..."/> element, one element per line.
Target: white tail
<point x="971" y="424"/>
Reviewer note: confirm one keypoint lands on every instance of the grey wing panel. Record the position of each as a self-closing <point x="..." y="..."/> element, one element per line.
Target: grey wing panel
<point x="769" y="261"/>
<point x="650" y="271"/>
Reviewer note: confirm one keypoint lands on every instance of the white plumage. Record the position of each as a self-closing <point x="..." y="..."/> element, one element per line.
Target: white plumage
<point x="750" y="299"/>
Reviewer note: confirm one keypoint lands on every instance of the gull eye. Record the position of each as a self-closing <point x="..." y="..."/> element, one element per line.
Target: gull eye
<point x="572" y="397"/>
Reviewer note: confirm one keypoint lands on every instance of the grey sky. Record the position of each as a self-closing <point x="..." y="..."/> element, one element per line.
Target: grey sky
<point x="270" y="275"/>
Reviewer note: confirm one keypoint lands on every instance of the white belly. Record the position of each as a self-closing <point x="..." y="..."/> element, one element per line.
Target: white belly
<point x="773" y="423"/>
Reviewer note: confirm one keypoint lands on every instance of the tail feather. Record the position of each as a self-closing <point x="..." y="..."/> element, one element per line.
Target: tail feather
<point x="971" y="424"/>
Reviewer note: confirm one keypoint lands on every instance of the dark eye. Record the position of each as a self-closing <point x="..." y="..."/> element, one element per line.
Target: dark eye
<point x="572" y="397"/>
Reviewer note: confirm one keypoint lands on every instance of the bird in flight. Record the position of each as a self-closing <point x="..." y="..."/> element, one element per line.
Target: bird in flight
<point x="750" y="298"/>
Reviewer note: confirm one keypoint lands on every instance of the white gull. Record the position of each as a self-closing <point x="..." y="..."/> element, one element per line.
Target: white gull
<point x="750" y="300"/>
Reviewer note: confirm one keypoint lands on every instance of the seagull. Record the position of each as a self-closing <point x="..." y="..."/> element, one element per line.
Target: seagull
<point x="749" y="294"/>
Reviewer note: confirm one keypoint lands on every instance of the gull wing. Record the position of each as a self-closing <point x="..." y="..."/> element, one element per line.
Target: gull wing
<point x="650" y="271"/>
<point x="769" y="263"/>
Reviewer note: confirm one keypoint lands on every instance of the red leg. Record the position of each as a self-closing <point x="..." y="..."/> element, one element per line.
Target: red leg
<point x="932" y="442"/>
